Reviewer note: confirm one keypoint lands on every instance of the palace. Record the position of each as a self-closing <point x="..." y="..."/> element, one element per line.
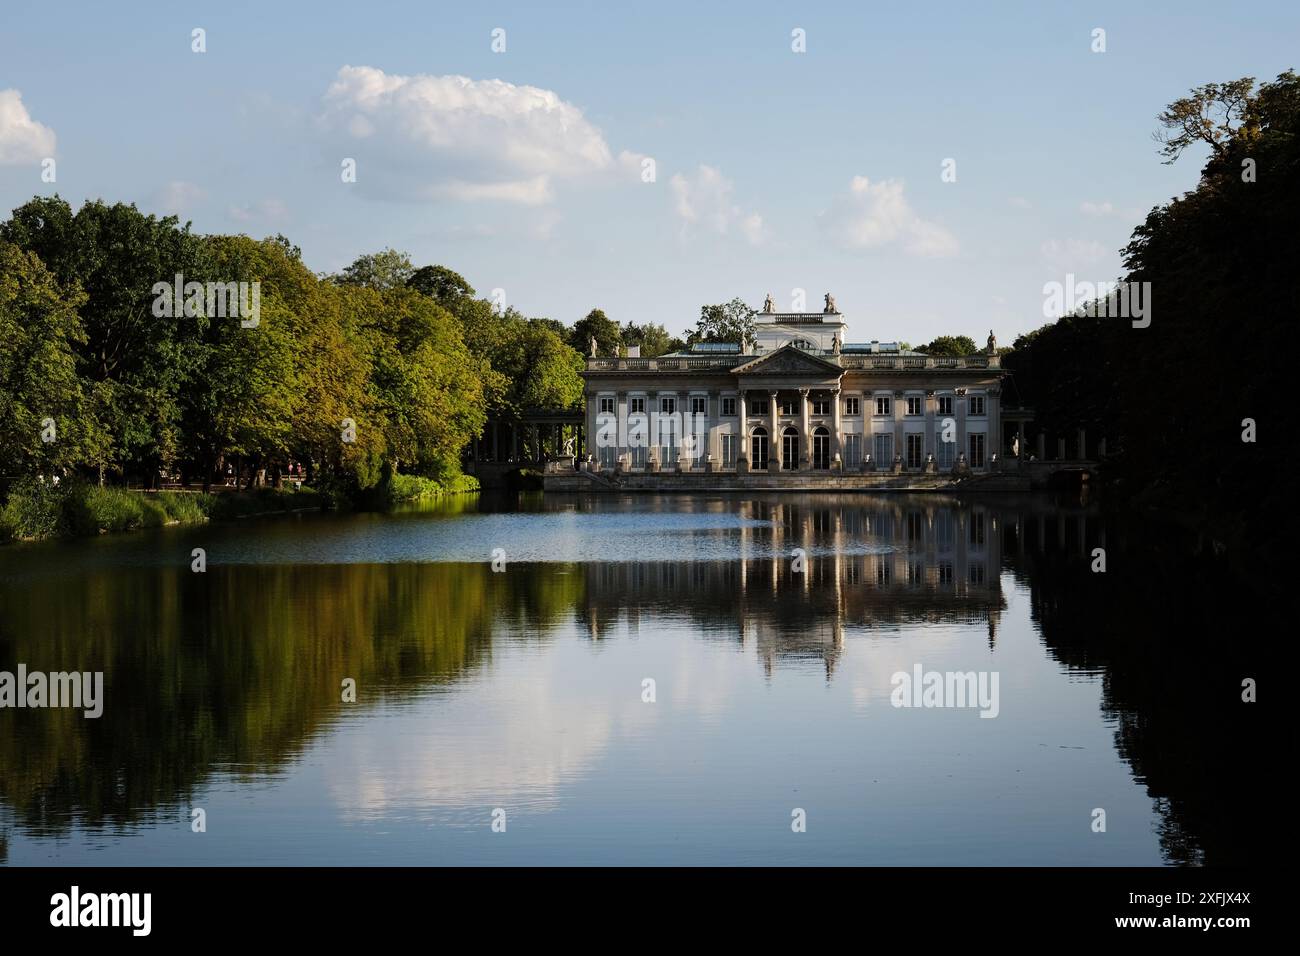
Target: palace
<point x="796" y="398"/>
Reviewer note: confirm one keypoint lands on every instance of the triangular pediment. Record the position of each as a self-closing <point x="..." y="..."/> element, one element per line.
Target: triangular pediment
<point x="789" y="360"/>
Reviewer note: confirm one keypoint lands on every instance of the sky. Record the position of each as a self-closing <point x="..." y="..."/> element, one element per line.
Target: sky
<point x="643" y="159"/>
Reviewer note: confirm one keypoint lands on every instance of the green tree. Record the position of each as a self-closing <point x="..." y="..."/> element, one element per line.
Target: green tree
<point x="387" y="269"/>
<point x="440" y="284"/>
<point x="730" y="322"/>
<point x="596" y="324"/>
<point x="950" y="345"/>
<point x="653" y="339"/>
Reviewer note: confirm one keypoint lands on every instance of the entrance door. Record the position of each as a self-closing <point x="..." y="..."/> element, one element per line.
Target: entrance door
<point x="789" y="450"/>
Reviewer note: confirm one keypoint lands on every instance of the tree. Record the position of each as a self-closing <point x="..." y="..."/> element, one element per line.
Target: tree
<point x="950" y="345"/>
<point x="1207" y="116"/>
<point x="596" y="324"/>
<point x="39" y="333"/>
<point x="653" y="339"/>
<point x="731" y="322"/>
<point x="388" y="269"/>
<point x="440" y="284"/>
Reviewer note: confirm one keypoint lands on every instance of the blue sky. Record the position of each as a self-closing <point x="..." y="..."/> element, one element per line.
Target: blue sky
<point x="774" y="170"/>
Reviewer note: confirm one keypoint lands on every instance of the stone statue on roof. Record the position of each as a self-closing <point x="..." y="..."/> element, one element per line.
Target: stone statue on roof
<point x="592" y="353"/>
<point x="769" y="305"/>
<point x="992" y="343"/>
<point x="830" y="305"/>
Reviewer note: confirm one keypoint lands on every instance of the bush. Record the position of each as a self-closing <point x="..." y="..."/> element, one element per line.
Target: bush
<point x="35" y="509"/>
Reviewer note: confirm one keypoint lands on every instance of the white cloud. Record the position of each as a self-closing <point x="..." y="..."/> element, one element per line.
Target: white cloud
<point x="876" y="214"/>
<point x="1107" y="209"/>
<point x="1020" y="202"/>
<point x="1072" y="255"/>
<point x="272" y="210"/>
<point x="703" y="201"/>
<point x="178" y="197"/>
<point x="22" y="139"/>
<point x="450" y="137"/>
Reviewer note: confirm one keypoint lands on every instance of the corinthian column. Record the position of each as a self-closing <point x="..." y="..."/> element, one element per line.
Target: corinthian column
<point x="804" y="438"/>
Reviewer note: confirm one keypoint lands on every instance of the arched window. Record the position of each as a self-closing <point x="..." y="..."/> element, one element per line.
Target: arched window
<point x="790" y="449"/>
<point x="821" y="448"/>
<point x="758" y="449"/>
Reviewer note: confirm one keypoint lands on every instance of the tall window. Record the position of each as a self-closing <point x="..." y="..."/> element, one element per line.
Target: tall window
<point x="883" y="451"/>
<point x="884" y="405"/>
<point x="945" y="405"/>
<point x="821" y="448"/>
<point x="852" y="451"/>
<point x="758" y="450"/>
<point x="728" y="407"/>
<point x="728" y="451"/>
<point x="915" y="449"/>
<point x="946" y="454"/>
<point x="789" y="450"/>
<point x="640" y="454"/>
<point x="914" y="405"/>
<point x="976" y="405"/>
<point x="852" y="407"/>
<point x="976" y="455"/>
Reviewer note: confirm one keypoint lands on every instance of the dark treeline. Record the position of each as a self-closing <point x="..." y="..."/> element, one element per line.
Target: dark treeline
<point x="1172" y="399"/>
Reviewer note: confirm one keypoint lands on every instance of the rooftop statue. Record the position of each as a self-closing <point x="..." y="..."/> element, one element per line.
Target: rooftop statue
<point x="769" y="305"/>
<point x="830" y="305"/>
<point x="992" y="343"/>
<point x="593" y="346"/>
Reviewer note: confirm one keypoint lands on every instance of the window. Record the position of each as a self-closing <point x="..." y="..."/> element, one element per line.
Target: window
<point x="821" y="449"/>
<point x="852" y="451"/>
<point x="945" y="573"/>
<point x="758" y="451"/>
<point x="667" y="406"/>
<point x="607" y="406"/>
<point x="883" y="573"/>
<point x="698" y="405"/>
<point x="884" y="451"/>
<point x="636" y="406"/>
<point x="884" y="406"/>
<point x="976" y="449"/>
<point x="789" y="450"/>
<point x="607" y="457"/>
<point x="945" y="405"/>
<point x="758" y="406"/>
<point x="787" y="406"/>
<point x="976" y="405"/>
<point x="728" y="407"/>
<point x="821" y="406"/>
<point x="977" y="574"/>
<point x="947" y="454"/>
<point x="914" y="405"/>
<point x="640" y="454"/>
<point x="852" y="407"/>
<point x="976" y="527"/>
<point x="728" y="451"/>
<point x="915" y="445"/>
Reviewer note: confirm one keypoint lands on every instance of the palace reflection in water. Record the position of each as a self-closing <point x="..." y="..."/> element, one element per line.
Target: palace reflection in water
<point x="476" y="686"/>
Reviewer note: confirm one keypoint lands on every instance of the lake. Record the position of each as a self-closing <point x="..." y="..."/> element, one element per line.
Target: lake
<point x="634" y="680"/>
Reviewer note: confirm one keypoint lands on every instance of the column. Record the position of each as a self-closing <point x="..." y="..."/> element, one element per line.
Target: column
<point x="805" y="439"/>
<point x="774" y="442"/>
<point x="1083" y="445"/>
<point x="837" y="439"/>
<point x="620" y="413"/>
<point x="742" y="447"/>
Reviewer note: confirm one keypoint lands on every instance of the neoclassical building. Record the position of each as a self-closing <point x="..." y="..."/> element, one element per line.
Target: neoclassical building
<point x="795" y="399"/>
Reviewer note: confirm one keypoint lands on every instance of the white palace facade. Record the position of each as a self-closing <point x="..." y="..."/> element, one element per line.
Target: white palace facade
<point x="796" y="398"/>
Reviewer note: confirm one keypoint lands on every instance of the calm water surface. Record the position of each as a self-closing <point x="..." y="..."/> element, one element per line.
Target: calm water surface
<point x="522" y="690"/>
